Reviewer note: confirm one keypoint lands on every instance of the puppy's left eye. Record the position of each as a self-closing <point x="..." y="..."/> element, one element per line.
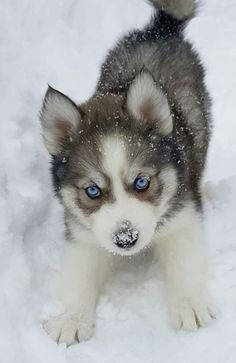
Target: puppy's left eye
<point x="141" y="183"/>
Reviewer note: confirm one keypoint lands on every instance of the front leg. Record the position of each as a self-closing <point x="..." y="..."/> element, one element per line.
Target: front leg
<point x="182" y="257"/>
<point x="83" y="274"/>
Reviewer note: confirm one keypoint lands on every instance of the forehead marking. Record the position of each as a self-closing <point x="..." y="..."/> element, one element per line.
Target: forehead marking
<point x="114" y="159"/>
<point x="114" y="155"/>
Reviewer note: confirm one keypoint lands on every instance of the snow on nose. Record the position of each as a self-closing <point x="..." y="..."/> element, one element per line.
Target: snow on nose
<point x="126" y="236"/>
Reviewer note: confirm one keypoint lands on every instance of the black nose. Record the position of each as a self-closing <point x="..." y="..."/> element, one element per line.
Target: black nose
<point x="126" y="236"/>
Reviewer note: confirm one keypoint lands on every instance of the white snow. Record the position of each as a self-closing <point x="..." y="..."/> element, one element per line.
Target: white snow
<point x="63" y="42"/>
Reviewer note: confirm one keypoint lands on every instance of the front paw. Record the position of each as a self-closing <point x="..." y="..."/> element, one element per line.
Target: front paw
<point x="191" y="313"/>
<point x="69" y="328"/>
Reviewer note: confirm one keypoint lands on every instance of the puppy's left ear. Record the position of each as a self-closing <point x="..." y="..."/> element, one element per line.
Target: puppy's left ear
<point x="147" y="103"/>
<point x="60" y="118"/>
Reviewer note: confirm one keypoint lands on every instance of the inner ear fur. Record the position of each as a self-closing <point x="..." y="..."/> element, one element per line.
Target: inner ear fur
<point x="60" y="118"/>
<point x="147" y="103"/>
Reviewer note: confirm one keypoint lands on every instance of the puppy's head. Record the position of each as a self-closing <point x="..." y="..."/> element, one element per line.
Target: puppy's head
<point x="112" y="162"/>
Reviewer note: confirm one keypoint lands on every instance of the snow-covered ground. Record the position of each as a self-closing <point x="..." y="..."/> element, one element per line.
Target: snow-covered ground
<point x="63" y="42"/>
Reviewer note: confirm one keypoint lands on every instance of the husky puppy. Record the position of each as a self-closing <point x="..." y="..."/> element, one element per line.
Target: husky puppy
<point x="127" y="166"/>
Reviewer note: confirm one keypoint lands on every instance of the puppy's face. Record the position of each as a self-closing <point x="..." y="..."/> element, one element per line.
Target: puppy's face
<point x="112" y="168"/>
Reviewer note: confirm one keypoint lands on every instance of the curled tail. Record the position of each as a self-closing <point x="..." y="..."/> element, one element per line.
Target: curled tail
<point x="172" y="15"/>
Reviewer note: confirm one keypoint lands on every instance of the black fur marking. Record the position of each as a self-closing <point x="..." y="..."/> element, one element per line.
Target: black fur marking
<point x="167" y="25"/>
<point x="58" y="170"/>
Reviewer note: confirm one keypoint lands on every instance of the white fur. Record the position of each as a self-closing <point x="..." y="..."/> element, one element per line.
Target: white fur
<point x="144" y="92"/>
<point x="143" y="215"/>
<point x="179" y="9"/>
<point x="180" y="248"/>
<point x="83" y="274"/>
<point x="57" y="107"/>
<point x="178" y="244"/>
<point x="109" y="218"/>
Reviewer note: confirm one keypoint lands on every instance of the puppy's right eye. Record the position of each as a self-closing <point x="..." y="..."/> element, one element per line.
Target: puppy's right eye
<point x="93" y="192"/>
<point x="141" y="183"/>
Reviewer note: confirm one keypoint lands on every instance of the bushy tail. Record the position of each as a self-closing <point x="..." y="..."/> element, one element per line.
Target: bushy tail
<point x="172" y="15"/>
<point x="178" y="9"/>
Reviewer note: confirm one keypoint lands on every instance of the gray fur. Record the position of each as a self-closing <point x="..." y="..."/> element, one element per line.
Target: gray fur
<point x="161" y="50"/>
<point x="177" y="69"/>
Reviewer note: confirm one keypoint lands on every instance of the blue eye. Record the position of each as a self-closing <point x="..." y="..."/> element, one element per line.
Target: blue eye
<point x="141" y="183"/>
<point x="93" y="192"/>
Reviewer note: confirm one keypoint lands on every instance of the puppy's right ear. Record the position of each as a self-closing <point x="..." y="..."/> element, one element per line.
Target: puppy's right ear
<point x="60" y="118"/>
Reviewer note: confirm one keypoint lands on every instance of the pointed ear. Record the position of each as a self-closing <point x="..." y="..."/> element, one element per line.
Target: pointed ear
<point x="147" y="103"/>
<point x="60" y="118"/>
